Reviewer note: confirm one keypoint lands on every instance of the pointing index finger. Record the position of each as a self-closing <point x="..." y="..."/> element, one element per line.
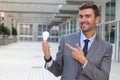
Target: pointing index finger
<point x="69" y="46"/>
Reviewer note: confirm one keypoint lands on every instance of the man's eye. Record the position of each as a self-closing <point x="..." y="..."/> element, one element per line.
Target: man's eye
<point x="80" y="16"/>
<point x="87" y="16"/>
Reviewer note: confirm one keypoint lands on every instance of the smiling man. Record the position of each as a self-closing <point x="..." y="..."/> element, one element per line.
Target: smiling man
<point x="82" y="55"/>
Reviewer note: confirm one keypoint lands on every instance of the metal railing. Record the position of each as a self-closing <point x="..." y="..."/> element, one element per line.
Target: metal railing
<point x="5" y="39"/>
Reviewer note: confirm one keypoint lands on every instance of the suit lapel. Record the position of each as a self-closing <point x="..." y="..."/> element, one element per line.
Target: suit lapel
<point x="93" y="47"/>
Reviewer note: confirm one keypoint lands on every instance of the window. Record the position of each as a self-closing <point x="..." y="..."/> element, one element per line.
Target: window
<point x="110" y="11"/>
<point x="100" y="13"/>
<point x="110" y="29"/>
<point x="30" y="29"/>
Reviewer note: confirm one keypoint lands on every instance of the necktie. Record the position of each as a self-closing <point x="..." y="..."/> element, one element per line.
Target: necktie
<point x="85" y="49"/>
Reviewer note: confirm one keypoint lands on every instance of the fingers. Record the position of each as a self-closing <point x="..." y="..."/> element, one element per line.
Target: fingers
<point x="80" y="49"/>
<point x="46" y="50"/>
<point x="72" y="48"/>
<point x="78" y="46"/>
<point x="45" y="44"/>
<point x="45" y="47"/>
<point x="69" y="46"/>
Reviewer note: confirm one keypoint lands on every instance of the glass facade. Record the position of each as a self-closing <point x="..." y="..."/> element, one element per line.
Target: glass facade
<point x="26" y="32"/>
<point x="53" y="31"/>
<point x="99" y="30"/>
<point x="118" y="42"/>
<point x="68" y="27"/>
<point x="110" y="11"/>
<point x="110" y="29"/>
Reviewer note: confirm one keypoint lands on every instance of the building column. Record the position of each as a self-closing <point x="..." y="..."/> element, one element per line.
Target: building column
<point x="35" y="32"/>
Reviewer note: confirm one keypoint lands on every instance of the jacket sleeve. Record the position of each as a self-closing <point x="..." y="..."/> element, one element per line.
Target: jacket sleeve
<point x="102" y="72"/>
<point x="57" y="66"/>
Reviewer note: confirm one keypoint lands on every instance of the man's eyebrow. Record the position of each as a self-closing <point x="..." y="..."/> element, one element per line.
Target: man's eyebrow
<point x="80" y="15"/>
<point x="85" y="15"/>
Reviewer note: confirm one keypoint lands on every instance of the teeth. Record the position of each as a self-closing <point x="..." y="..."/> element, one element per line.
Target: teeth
<point x="84" y="24"/>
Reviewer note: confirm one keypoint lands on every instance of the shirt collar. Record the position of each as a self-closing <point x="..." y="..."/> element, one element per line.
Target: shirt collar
<point x="82" y="37"/>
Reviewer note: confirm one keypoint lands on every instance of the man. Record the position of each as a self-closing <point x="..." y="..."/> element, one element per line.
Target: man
<point x="73" y="63"/>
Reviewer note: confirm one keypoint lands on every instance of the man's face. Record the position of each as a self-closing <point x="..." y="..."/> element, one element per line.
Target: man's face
<point x="87" y="20"/>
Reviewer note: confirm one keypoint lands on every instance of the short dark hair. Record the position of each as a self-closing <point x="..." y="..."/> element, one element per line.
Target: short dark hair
<point x="90" y="5"/>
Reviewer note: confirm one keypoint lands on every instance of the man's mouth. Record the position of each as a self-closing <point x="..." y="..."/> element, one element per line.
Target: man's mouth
<point x="84" y="24"/>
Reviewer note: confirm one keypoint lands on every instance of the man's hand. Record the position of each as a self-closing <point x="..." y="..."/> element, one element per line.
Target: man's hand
<point x="77" y="53"/>
<point x="46" y="49"/>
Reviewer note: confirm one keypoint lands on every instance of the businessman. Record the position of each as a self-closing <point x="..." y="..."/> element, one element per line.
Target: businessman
<point x="82" y="55"/>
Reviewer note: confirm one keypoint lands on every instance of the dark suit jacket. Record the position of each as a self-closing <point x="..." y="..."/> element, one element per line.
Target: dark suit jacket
<point x="97" y="68"/>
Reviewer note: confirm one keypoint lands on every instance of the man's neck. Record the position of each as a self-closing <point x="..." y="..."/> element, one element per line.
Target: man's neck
<point x="89" y="34"/>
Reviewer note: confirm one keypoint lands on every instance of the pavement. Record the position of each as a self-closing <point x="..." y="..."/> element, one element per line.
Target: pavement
<point x="24" y="61"/>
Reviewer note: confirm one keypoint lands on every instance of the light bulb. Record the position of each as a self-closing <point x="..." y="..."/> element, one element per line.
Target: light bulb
<point x="45" y="35"/>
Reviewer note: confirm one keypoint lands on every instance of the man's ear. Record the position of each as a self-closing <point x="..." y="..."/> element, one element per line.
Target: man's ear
<point x="97" y="19"/>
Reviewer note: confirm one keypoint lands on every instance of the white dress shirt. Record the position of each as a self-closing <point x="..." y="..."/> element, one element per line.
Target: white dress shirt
<point x="82" y="38"/>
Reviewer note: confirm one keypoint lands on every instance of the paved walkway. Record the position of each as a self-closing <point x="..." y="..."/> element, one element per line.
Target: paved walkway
<point x="24" y="61"/>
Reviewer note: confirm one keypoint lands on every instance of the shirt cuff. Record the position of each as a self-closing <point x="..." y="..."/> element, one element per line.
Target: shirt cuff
<point x="85" y="64"/>
<point x="48" y="64"/>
